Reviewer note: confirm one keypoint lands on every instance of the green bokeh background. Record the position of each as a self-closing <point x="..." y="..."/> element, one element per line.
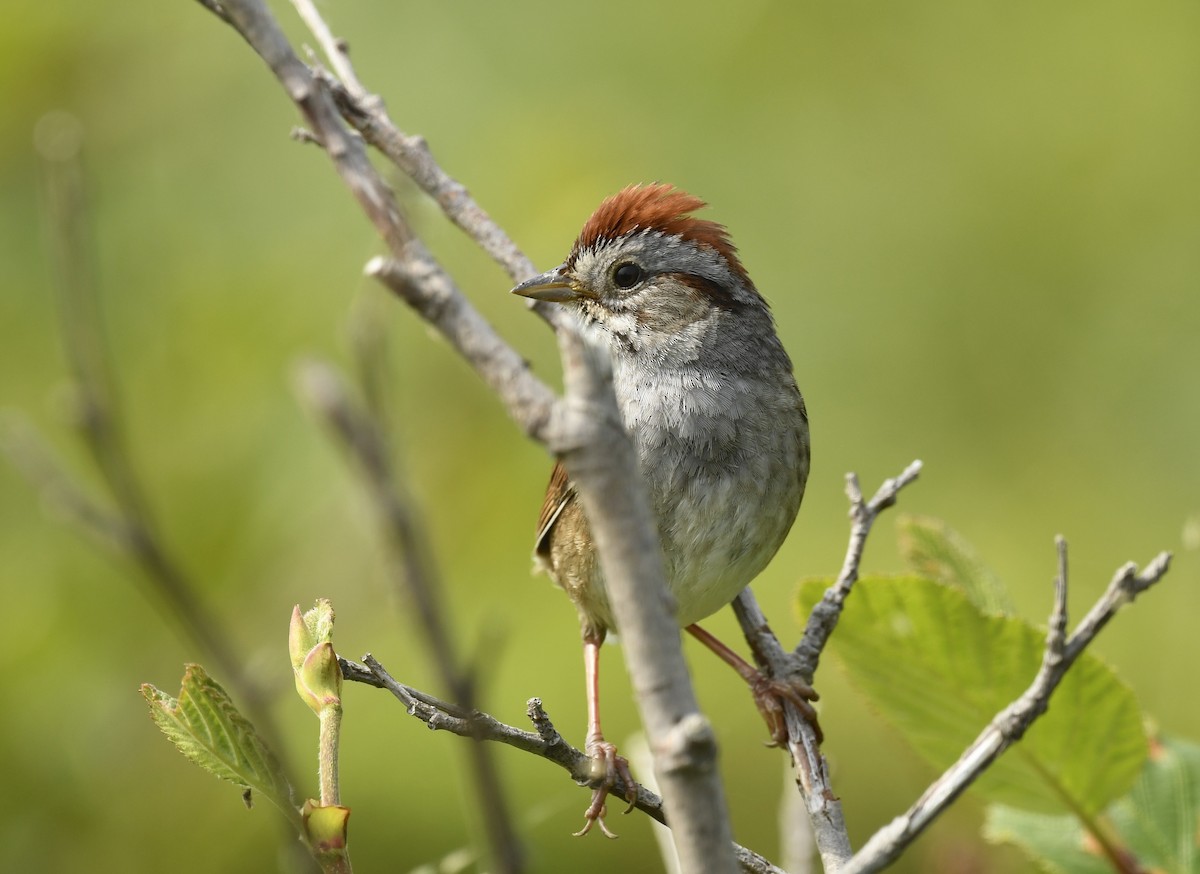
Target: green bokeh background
<point x="979" y="228"/>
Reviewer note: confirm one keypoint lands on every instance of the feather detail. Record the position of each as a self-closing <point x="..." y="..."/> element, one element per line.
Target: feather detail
<point x="657" y="207"/>
<point x="559" y="493"/>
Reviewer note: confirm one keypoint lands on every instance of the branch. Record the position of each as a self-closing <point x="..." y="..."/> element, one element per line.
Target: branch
<point x="811" y="770"/>
<point x="417" y="581"/>
<point x="1011" y="723"/>
<point x="603" y="465"/>
<point x="584" y="430"/>
<point x="418" y="280"/>
<point x="825" y="614"/>
<point x="411" y="155"/>
<point x="544" y="742"/>
<point x="368" y="115"/>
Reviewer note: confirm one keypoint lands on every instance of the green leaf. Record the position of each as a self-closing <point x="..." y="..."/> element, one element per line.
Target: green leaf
<point x="1160" y="818"/>
<point x="934" y="550"/>
<point x="1056" y="844"/>
<point x="207" y="728"/>
<point x="1156" y="822"/>
<point x="939" y="669"/>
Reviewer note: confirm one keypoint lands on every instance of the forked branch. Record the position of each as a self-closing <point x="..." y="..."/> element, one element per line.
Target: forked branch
<point x="583" y="429"/>
<point x="1010" y="724"/>
<point x="811" y="770"/>
<point x="544" y="741"/>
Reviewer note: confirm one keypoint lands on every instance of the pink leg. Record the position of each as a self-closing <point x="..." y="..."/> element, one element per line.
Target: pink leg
<point x="769" y="693"/>
<point x="607" y="766"/>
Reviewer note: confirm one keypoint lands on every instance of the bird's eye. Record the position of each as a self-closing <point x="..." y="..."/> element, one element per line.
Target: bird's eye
<point x="627" y="275"/>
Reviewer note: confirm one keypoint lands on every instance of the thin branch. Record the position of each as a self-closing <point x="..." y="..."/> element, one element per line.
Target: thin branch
<point x="1012" y="722"/>
<point x="825" y="614"/>
<point x="527" y="400"/>
<point x="411" y="154"/>
<point x="420" y="282"/>
<point x="418" y="581"/>
<point x="796" y="851"/>
<point x="310" y="93"/>
<point x="544" y="742"/>
<point x="810" y="768"/>
<point x="601" y="461"/>
<point x="368" y="115"/>
<point x="337" y="51"/>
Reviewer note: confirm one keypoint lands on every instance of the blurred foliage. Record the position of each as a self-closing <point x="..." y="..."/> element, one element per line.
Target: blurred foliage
<point x="934" y="550"/>
<point x="1157" y="821"/>
<point x="976" y="224"/>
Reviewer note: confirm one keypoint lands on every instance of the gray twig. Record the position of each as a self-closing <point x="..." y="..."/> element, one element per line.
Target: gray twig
<point x="580" y="429"/>
<point x="368" y="115"/>
<point x="544" y="742"/>
<point x="417" y="581"/>
<point x="811" y="770"/>
<point x="421" y="282"/>
<point x="824" y="616"/>
<point x="337" y="51"/>
<point x="1010" y="724"/>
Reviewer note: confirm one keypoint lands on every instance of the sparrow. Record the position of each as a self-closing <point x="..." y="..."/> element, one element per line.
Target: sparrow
<point x="706" y="393"/>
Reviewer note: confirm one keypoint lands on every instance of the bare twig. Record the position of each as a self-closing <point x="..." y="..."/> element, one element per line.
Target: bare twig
<point x="585" y="431"/>
<point x="412" y="156"/>
<point x="796" y="851"/>
<point x="811" y="770"/>
<point x="824" y="616"/>
<point x="544" y="742"/>
<point x="1011" y="723"/>
<point x="258" y="27"/>
<point x="368" y="115"/>
<point x="420" y="282"/>
<point x="417" y="583"/>
<point x="337" y="51"/>
<point x="601" y="462"/>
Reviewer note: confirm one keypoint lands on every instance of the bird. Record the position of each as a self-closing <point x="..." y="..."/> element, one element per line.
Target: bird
<point x="707" y="396"/>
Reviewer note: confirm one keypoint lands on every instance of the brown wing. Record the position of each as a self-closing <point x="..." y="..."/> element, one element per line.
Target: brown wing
<point x="559" y="493"/>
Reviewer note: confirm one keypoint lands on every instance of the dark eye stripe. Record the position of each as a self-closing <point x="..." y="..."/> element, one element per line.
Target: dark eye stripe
<point x="717" y="294"/>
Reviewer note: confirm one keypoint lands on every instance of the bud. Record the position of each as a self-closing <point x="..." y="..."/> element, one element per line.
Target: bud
<point x="325" y="827"/>
<point x="314" y="662"/>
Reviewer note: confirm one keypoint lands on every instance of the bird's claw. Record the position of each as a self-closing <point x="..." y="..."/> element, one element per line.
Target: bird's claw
<point x="607" y="767"/>
<point x="770" y="694"/>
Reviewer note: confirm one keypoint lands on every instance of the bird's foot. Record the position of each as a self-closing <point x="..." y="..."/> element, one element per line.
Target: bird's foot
<point x="606" y="769"/>
<point x="770" y="694"/>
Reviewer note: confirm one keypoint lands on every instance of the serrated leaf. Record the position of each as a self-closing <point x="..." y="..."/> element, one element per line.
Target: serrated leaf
<point x="1156" y="822"/>
<point x="934" y="550"/>
<point x="207" y="728"/>
<point x="1160" y="818"/>
<point x="939" y="669"/>
<point x="1056" y="844"/>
